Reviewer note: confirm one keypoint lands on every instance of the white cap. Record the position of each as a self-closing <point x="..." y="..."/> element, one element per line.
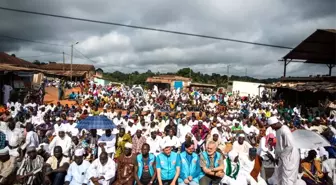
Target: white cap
<point x="241" y="135"/>
<point x="167" y="144"/>
<point x="86" y="104"/>
<point x="218" y="125"/>
<point x="4" y="151"/>
<point x="58" y="119"/>
<point x="128" y="145"/>
<point x="272" y="120"/>
<point x="79" y="152"/>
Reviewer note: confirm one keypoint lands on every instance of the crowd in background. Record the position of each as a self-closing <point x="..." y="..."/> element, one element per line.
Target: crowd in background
<point x="163" y="137"/>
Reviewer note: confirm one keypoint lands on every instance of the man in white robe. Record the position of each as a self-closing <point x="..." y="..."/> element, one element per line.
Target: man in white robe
<point x="6" y="89"/>
<point x="77" y="171"/>
<point x="102" y="170"/>
<point x="286" y="154"/>
<point x="233" y="176"/>
<point x="247" y="163"/>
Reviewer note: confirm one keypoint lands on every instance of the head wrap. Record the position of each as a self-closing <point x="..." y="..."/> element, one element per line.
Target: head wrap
<point x="79" y="152"/>
<point x="270" y="136"/>
<point x="272" y="120"/>
<point x="128" y="145"/>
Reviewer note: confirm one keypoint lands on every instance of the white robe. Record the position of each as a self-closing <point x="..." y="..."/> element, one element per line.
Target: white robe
<point x="6" y="89"/>
<point x="288" y="155"/>
<point x="246" y="167"/>
<point x="97" y="169"/>
<point x="77" y="175"/>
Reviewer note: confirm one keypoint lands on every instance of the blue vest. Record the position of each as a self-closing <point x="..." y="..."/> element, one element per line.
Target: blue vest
<point x="207" y="160"/>
<point x="190" y="169"/>
<point x="151" y="160"/>
<point x="168" y="165"/>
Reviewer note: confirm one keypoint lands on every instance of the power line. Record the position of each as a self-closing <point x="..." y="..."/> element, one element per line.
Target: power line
<point x="41" y="55"/>
<point x="27" y="40"/>
<point x="146" y="28"/>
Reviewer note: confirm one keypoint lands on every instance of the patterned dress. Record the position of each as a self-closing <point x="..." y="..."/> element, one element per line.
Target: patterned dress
<point x="32" y="165"/>
<point x="125" y="170"/>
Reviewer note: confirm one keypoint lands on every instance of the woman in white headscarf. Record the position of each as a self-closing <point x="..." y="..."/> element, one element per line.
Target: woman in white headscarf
<point x="232" y="167"/>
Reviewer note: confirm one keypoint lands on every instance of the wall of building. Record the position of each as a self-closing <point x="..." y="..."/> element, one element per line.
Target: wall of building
<point x="246" y="88"/>
<point x="102" y="82"/>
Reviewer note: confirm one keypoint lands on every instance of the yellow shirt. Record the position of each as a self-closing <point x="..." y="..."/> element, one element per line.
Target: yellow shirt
<point x="53" y="161"/>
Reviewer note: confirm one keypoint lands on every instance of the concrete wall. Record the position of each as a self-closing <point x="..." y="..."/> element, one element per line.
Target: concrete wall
<point x="246" y="88"/>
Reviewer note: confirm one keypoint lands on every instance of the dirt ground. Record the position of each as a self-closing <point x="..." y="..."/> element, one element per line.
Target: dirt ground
<point x="51" y="95"/>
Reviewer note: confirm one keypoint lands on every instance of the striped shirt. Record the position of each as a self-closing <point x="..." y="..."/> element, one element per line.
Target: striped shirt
<point x="31" y="165"/>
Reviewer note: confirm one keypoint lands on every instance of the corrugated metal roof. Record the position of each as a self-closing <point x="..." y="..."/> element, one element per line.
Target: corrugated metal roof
<point x="14" y="61"/>
<point x="75" y="67"/>
<point x="329" y="87"/>
<point x="66" y="73"/>
<point x="202" y="84"/>
<point x="8" y="67"/>
<point x="319" y="48"/>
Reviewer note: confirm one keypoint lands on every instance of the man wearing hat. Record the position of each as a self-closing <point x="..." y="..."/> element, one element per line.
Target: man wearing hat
<point x="62" y="140"/>
<point x="241" y="146"/>
<point x="125" y="169"/>
<point x="30" y="170"/>
<point x="168" y="165"/>
<point x="7" y="167"/>
<point x="76" y="174"/>
<point x="251" y="167"/>
<point x="287" y="155"/>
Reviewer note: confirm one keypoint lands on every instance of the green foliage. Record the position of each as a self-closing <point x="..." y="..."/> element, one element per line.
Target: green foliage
<point x="198" y="77"/>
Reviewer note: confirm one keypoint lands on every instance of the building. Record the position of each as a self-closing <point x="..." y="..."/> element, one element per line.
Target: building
<point x="17" y="73"/>
<point x="79" y="71"/>
<point x="169" y="81"/>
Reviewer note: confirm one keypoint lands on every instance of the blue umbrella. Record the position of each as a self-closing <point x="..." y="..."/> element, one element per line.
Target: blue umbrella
<point x="96" y="122"/>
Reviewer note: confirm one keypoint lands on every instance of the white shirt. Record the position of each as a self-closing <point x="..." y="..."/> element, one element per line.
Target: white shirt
<point x="154" y="145"/>
<point x="182" y="131"/>
<point x="251" y="129"/>
<point x="192" y="123"/>
<point x="64" y="142"/>
<point x="117" y="121"/>
<point x="174" y="141"/>
<point x="108" y="171"/>
<point x="14" y="137"/>
<point x="241" y="149"/>
<point x="77" y="175"/>
<point x="31" y="140"/>
<point x="131" y="129"/>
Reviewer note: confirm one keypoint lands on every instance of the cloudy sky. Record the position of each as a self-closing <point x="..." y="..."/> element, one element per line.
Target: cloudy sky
<point x="277" y="22"/>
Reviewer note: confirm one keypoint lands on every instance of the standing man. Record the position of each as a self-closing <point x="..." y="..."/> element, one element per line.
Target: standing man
<point x="125" y="169"/>
<point x="190" y="166"/>
<point x="287" y="155"/>
<point x="212" y="164"/>
<point x="144" y="169"/>
<point x="6" y="89"/>
<point x="168" y="166"/>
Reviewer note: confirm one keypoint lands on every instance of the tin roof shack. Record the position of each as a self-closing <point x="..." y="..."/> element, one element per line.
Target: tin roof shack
<point x="79" y="71"/>
<point x="305" y="90"/>
<point x="205" y="88"/>
<point x="17" y="73"/>
<point x="169" y="81"/>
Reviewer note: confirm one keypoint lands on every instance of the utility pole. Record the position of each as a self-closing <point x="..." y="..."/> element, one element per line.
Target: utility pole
<point x="190" y="73"/>
<point x="63" y="62"/>
<point x="246" y="72"/>
<point x="71" y="63"/>
<point x="72" y="45"/>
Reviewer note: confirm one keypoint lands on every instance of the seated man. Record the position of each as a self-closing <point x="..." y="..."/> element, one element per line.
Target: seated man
<point x="241" y="146"/>
<point x="312" y="172"/>
<point x="212" y="164"/>
<point x="232" y="170"/>
<point x="125" y="169"/>
<point x="7" y="167"/>
<point x="251" y="167"/>
<point x="30" y="171"/>
<point x="76" y="174"/>
<point x="56" y="167"/>
<point x="102" y="170"/>
<point x="72" y="96"/>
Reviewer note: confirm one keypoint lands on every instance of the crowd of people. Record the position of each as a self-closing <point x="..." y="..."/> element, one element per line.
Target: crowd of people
<point x="164" y="137"/>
